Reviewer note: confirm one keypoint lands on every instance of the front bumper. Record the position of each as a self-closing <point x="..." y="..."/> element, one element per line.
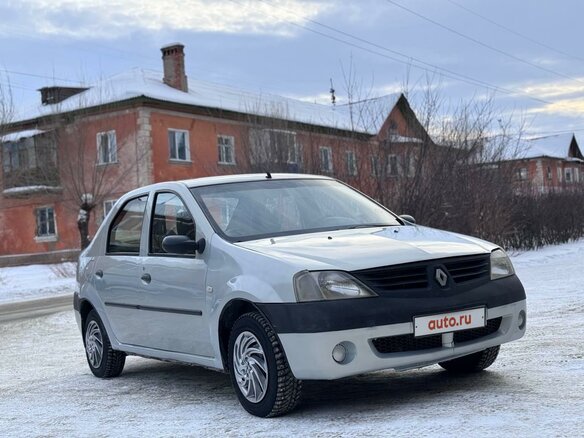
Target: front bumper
<point x="310" y="354"/>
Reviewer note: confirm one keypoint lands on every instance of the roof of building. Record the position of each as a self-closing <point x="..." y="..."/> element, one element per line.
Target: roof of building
<point x="364" y="117"/>
<point x="554" y="146"/>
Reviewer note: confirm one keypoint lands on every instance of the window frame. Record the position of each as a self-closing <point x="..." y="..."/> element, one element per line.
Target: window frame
<point x="187" y="158"/>
<point x="329" y="168"/>
<point x="45" y="237"/>
<point x="389" y="167"/>
<point x="149" y="253"/>
<point x="106" y="202"/>
<point x="221" y="148"/>
<point x="107" y="134"/>
<point x="374" y="164"/>
<point x="568" y="175"/>
<point x="109" y="228"/>
<point x="352" y="169"/>
<point x="521" y="175"/>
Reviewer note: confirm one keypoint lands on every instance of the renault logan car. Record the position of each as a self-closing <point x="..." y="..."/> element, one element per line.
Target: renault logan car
<point x="282" y="278"/>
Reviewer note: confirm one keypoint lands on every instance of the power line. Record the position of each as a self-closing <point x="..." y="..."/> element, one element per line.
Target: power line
<point x="483" y="44"/>
<point x="514" y="32"/>
<point x="410" y="59"/>
<point x="33" y="75"/>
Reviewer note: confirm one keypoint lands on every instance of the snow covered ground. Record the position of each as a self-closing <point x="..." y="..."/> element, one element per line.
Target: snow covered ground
<point x="536" y="387"/>
<point x="36" y="281"/>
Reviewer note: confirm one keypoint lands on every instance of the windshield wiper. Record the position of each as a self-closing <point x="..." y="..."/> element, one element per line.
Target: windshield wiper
<point x="352" y="227"/>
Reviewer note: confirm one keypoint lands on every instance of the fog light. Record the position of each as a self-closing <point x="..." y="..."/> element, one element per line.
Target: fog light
<point x="521" y="319"/>
<point x="339" y="353"/>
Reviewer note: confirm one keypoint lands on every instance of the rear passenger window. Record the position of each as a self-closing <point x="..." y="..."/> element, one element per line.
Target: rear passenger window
<point x="171" y="217"/>
<point x="126" y="228"/>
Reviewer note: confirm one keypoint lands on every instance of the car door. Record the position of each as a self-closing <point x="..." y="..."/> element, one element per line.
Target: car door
<point x="117" y="272"/>
<point x="175" y="292"/>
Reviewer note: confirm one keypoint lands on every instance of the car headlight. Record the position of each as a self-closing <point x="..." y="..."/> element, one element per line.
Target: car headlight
<point x="328" y="285"/>
<point x="501" y="266"/>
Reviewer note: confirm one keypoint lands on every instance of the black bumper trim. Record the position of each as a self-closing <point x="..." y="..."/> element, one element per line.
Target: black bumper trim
<point x="326" y="316"/>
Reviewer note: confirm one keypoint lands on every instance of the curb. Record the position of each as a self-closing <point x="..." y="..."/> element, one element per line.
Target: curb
<point x="32" y="308"/>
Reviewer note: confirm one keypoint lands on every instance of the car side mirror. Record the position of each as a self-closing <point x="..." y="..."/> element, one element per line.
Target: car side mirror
<point x="179" y="244"/>
<point x="409" y="220"/>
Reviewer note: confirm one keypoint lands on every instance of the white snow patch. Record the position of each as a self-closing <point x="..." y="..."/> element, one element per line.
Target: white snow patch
<point x="30" y="189"/>
<point x="19" y="135"/>
<point x="36" y="281"/>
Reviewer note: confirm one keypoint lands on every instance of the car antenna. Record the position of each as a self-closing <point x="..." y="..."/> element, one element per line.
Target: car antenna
<point x="268" y="175"/>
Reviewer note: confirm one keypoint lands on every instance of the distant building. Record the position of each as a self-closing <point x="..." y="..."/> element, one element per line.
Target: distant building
<point x="92" y="144"/>
<point x="552" y="163"/>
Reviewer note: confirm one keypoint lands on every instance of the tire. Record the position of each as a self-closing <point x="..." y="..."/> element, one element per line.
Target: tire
<point x="255" y="348"/>
<point x="110" y="362"/>
<point x="472" y="363"/>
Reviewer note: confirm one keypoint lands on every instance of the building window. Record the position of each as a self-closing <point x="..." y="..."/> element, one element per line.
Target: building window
<point x="568" y="172"/>
<point x="108" y="205"/>
<point x="549" y="172"/>
<point x="17" y="156"/>
<point x="522" y="173"/>
<point x="351" y="163"/>
<point x="107" y="149"/>
<point x="576" y="175"/>
<point x="178" y="144"/>
<point x="375" y="171"/>
<point x="392" y="169"/>
<point x="409" y="167"/>
<point x="326" y="159"/>
<point x="45" y="222"/>
<point x="226" y="148"/>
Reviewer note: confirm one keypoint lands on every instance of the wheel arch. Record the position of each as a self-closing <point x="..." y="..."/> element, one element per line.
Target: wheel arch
<point x="85" y="307"/>
<point x="231" y="311"/>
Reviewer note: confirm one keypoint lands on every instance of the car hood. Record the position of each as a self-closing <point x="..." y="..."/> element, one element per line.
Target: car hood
<point x="350" y="250"/>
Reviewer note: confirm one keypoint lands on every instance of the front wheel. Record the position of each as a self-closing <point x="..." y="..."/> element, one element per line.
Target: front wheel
<point x="260" y="373"/>
<point x="102" y="359"/>
<point x="473" y="362"/>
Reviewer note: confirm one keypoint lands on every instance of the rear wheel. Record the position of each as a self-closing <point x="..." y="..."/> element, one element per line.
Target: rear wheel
<point x="102" y="359"/>
<point x="473" y="362"/>
<point x="260" y="373"/>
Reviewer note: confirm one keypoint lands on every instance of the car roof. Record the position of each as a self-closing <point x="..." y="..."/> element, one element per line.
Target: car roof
<point x="224" y="179"/>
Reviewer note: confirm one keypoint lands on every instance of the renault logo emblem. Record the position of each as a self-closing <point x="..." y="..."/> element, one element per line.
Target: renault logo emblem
<point x="441" y="277"/>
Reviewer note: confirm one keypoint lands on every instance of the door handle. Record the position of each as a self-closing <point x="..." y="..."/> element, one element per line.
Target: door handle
<point x="99" y="273"/>
<point x="146" y="278"/>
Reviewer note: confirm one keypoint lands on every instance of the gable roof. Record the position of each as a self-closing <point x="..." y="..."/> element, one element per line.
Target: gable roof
<point x="364" y="117"/>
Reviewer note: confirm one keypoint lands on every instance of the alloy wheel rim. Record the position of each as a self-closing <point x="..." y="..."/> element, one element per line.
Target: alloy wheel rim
<point x="250" y="367"/>
<point x="94" y="344"/>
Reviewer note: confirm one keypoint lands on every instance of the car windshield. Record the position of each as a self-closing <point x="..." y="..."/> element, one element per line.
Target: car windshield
<point x="258" y="209"/>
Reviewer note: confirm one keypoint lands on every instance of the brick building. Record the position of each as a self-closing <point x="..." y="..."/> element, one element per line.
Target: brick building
<point x="84" y="147"/>
<point x="552" y="163"/>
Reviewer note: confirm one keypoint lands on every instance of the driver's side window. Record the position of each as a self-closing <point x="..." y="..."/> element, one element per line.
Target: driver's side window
<point x="170" y="217"/>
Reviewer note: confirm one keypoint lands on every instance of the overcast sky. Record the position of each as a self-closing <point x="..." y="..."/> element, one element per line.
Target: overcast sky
<point x="530" y="54"/>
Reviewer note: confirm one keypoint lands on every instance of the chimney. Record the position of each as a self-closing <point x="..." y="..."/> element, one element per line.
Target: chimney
<point x="57" y="94"/>
<point x="173" y="60"/>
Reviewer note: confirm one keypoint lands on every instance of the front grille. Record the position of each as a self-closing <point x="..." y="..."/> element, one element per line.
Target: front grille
<point x="468" y="268"/>
<point x="420" y="275"/>
<point x="401" y="343"/>
<point x="476" y="333"/>
<point x="390" y="278"/>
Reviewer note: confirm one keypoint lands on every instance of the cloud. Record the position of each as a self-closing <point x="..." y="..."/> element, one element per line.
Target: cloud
<point x="109" y="19"/>
<point x="564" y="107"/>
<point x="547" y="90"/>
